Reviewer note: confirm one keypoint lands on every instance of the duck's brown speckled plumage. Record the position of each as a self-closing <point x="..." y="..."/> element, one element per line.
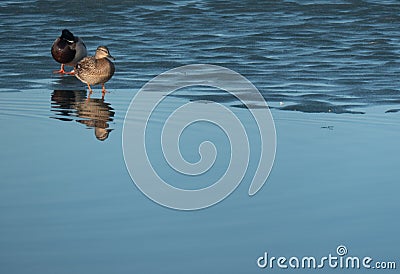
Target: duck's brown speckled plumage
<point x="96" y="69"/>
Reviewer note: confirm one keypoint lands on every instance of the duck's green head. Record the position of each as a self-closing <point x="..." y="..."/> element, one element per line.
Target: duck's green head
<point x="68" y="36"/>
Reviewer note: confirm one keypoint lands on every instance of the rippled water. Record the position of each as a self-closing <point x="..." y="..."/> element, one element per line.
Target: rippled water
<point x="317" y="56"/>
<point x="67" y="203"/>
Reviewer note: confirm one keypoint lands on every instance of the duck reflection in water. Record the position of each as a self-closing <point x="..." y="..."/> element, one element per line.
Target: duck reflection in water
<point x="72" y="105"/>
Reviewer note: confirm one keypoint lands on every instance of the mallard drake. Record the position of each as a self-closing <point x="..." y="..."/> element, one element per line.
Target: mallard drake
<point x="96" y="69"/>
<point x="68" y="50"/>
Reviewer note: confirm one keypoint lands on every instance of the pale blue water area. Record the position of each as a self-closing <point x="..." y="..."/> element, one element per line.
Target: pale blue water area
<point x="329" y="71"/>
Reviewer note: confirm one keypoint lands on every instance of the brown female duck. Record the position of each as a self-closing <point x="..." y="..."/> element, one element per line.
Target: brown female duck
<point x="96" y="69"/>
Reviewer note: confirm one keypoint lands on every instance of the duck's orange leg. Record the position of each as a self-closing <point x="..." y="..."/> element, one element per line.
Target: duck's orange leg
<point x="90" y="89"/>
<point x="103" y="91"/>
<point x="72" y="72"/>
<point x="61" y="71"/>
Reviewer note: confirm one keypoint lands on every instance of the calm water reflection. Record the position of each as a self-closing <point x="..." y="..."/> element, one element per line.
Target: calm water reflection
<point x="75" y="105"/>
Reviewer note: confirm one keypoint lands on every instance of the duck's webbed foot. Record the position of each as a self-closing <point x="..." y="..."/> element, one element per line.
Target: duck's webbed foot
<point x="61" y="70"/>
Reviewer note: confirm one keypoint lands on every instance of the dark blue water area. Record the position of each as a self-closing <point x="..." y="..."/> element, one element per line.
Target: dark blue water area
<point x="329" y="72"/>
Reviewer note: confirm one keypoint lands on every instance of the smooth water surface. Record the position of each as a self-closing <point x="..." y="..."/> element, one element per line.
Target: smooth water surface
<point x="328" y="70"/>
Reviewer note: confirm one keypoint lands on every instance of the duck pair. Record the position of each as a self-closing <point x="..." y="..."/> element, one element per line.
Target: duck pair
<point x="69" y="50"/>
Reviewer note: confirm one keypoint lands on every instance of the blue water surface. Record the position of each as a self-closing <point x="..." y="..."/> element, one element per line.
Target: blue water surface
<point x="329" y="72"/>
